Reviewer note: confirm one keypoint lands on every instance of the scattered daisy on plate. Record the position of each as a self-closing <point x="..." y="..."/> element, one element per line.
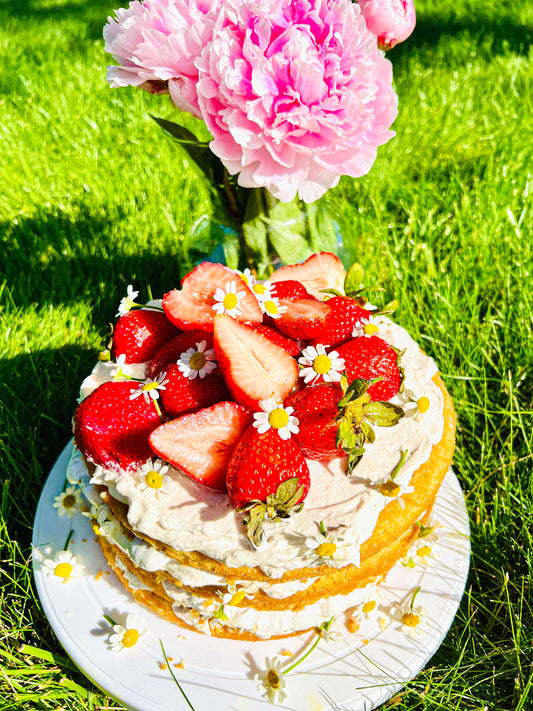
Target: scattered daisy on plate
<point x="328" y="633"/>
<point x="69" y="501"/>
<point x="274" y="415"/>
<point x="64" y="566"/>
<point x="410" y="618"/>
<point x="318" y="364"/>
<point x="369" y="606"/>
<point x="125" y="636"/>
<point x="227" y="299"/>
<point x="198" y="361"/>
<point x="271" y="681"/>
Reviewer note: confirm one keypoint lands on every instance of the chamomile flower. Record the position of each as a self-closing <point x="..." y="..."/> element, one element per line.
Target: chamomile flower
<point x="198" y="361"/>
<point x="317" y="363"/>
<point x="118" y="372"/>
<point x="331" y="550"/>
<point x="418" y="404"/>
<point x="410" y="618"/>
<point x="368" y="607"/>
<point x="327" y="633"/>
<point x="275" y="416"/>
<point x="419" y="554"/>
<point x="271" y="306"/>
<point x="271" y="681"/>
<point x="237" y="592"/>
<point x="247" y="276"/>
<point x="392" y="489"/>
<point x="227" y="299"/>
<point x="68" y="502"/>
<point x="128" y="301"/>
<point x="427" y="531"/>
<point x="153" y="479"/>
<point x="262" y="290"/>
<point x="63" y="566"/>
<point x="368" y="326"/>
<point x="150" y="388"/>
<point x="127" y="636"/>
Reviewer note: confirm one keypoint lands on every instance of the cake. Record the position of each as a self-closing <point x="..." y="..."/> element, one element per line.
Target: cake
<point x="257" y="454"/>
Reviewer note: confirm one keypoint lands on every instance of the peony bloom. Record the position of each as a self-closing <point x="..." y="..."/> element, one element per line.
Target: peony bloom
<point x="156" y="44"/>
<point x="392" y="21"/>
<point x="295" y="94"/>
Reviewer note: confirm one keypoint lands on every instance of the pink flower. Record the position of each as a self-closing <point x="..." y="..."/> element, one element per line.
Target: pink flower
<point x="156" y="44"/>
<point x="295" y="94"/>
<point x="392" y="21"/>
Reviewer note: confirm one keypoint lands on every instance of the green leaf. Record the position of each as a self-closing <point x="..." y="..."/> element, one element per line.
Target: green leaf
<point x="288" y="232"/>
<point x="384" y="414"/>
<point x="255" y="523"/>
<point x="254" y="226"/>
<point x="353" y="279"/>
<point x="322" y="228"/>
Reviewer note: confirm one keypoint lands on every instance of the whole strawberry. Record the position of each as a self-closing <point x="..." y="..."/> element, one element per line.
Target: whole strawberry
<point x="172" y="351"/>
<point x="140" y="334"/>
<point x="316" y="408"/>
<point x="370" y="357"/>
<point x="341" y="320"/>
<point x="184" y="393"/>
<point x="112" y="425"/>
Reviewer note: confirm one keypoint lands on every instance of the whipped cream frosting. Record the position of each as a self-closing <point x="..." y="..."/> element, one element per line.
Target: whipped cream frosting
<point x="192" y="517"/>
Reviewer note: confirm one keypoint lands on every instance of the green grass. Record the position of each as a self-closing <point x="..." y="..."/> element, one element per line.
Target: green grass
<point x="93" y="198"/>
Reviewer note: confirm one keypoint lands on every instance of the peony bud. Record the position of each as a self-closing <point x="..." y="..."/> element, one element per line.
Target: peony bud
<point x="392" y="21"/>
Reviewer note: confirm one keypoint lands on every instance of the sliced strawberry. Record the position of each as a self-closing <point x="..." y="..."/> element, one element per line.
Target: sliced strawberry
<point x="341" y="320"/>
<point x="323" y="270"/>
<point x="316" y="407"/>
<point x="279" y="339"/>
<point x="174" y="349"/>
<point x="370" y="357"/>
<point x="183" y="394"/>
<point x="194" y="305"/>
<point x="201" y="444"/>
<point x="253" y="366"/>
<point x="260" y="463"/>
<point x="304" y="318"/>
<point x="112" y="429"/>
<point x="290" y="289"/>
<point x="140" y="334"/>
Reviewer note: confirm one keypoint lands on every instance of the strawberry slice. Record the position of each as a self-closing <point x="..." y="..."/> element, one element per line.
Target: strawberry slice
<point x="371" y="357"/>
<point x="254" y="367"/>
<point x="279" y="339"/>
<point x="183" y="394"/>
<point x="201" y="444"/>
<point x="304" y="318"/>
<point x="173" y="350"/>
<point x="207" y="290"/>
<point x="316" y="408"/>
<point x="111" y="428"/>
<point x="322" y="270"/>
<point x="290" y="289"/>
<point x="140" y="334"/>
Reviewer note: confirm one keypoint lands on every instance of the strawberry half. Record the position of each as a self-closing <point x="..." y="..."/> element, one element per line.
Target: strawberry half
<point x="139" y="334"/>
<point x="183" y="395"/>
<point x="316" y="407"/>
<point x="322" y="270"/>
<point x="304" y="318"/>
<point x="207" y="290"/>
<point x="254" y="367"/>
<point x="371" y="357"/>
<point x="290" y="289"/>
<point x="279" y="339"/>
<point x="173" y="350"/>
<point x="112" y="429"/>
<point x="201" y="444"/>
<point x="340" y="321"/>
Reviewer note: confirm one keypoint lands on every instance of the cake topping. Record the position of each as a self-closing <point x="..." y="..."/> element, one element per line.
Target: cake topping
<point x="276" y="416"/>
<point x="198" y="361"/>
<point x="318" y="363"/>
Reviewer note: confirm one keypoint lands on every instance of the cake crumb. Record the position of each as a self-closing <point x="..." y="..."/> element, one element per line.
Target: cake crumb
<point x="287" y="653"/>
<point x="180" y="664"/>
<point x="98" y="575"/>
<point x="84" y="540"/>
<point x="366" y="641"/>
<point x="163" y="666"/>
<point x="352" y="624"/>
<point x="170" y="659"/>
<point x="382" y="623"/>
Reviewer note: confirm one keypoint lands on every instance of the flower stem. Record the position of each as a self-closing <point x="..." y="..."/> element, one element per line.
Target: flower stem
<point x="234" y="209"/>
<point x="299" y="661"/>
<point x="399" y="465"/>
<point x="110" y="620"/>
<point x="174" y="677"/>
<point x="71" y="532"/>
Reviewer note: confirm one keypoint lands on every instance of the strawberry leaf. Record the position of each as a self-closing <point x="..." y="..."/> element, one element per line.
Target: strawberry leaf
<point x="354" y="279"/>
<point x="384" y="414"/>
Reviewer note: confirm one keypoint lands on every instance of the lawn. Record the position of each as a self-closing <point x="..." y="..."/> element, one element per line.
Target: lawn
<point x="94" y="197"/>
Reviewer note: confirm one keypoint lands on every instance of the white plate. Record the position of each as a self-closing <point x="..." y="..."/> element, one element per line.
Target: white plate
<point x="358" y="673"/>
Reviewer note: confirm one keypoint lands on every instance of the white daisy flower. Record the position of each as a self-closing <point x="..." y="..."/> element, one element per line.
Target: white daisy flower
<point x="197" y="362"/>
<point x="154" y="479"/>
<point x="417" y="404"/>
<point x="128" y="302"/>
<point x="427" y="530"/>
<point x="118" y="372"/>
<point x="276" y="416"/>
<point x="237" y="592"/>
<point x="128" y="635"/>
<point x="419" y="554"/>
<point x="317" y="363"/>
<point x="271" y="681"/>
<point x="262" y="290"/>
<point x="367" y="326"/>
<point x="227" y="299"/>
<point x="63" y="566"/>
<point x="270" y="305"/>
<point x="368" y="607"/>
<point x="331" y="550"/>
<point x="247" y="277"/>
<point x="150" y="388"/>
<point x="410" y="618"/>
<point x="328" y="634"/>
<point x="69" y="501"/>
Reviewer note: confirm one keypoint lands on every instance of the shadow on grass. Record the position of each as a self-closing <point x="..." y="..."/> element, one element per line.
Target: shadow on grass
<point x="92" y="13"/>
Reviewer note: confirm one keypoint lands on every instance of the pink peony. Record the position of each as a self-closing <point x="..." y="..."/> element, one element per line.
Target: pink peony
<point x="158" y="41"/>
<point x="392" y="21"/>
<point x="295" y="94"/>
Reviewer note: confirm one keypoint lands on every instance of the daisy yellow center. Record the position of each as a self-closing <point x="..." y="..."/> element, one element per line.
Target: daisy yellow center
<point x="130" y="638"/>
<point x="322" y="364"/>
<point x="63" y="570"/>
<point x="369" y="606"/>
<point x="197" y="361"/>
<point x="326" y="550"/>
<point x="278" y="418"/>
<point x="422" y="404"/>
<point x="69" y="501"/>
<point x="370" y="329"/>
<point x="410" y="619"/>
<point x="273" y="679"/>
<point x="237" y="598"/>
<point x="259" y="288"/>
<point x="153" y="479"/>
<point x="150" y="386"/>
<point x="230" y="301"/>
<point x="424" y="551"/>
<point x="271" y="307"/>
<point x="389" y="488"/>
